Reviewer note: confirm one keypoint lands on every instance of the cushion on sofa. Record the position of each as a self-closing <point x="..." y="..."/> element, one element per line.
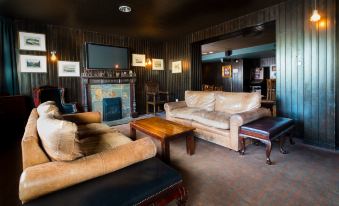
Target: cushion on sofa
<point x="232" y="102"/>
<point x="215" y="119"/>
<point x="184" y="112"/>
<point x="85" y="130"/>
<point x="59" y="138"/>
<point x="101" y="142"/>
<point x="199" y="99"/>
<point x="49" y="108"/>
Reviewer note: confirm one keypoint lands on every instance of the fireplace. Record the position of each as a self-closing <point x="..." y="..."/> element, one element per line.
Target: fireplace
<point x="96" y="89"/>
<point x="111" y="109"/>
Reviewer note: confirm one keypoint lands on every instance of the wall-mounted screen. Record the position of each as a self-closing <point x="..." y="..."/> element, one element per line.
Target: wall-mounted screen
<point x="100" y="56"/>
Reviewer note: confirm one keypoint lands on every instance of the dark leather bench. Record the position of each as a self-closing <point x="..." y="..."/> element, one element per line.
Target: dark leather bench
<point x="144" y="183"/>
<point x="266" y="130"/>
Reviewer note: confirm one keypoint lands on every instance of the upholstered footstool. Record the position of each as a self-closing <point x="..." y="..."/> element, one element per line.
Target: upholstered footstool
<point x="149" y="182"/>
<point x="266" y="130"/>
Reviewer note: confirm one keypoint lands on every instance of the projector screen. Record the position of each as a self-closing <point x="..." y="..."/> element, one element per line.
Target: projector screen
<point x="106" y="57"/>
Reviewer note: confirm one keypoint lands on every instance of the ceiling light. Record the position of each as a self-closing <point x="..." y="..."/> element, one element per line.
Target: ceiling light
<point x="210" y="52"/>
<point x="204" y="53"/>
<point x="125" y="9"/>
<point x="315" y="16"/>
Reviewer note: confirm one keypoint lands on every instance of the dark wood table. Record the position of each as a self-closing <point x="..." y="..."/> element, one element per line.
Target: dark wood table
<point x="164" y="131"/>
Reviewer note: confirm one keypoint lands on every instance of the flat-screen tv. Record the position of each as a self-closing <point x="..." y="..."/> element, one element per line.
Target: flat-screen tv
<point x="99" y="56"/>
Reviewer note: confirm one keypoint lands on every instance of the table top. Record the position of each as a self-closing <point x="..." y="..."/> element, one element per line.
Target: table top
<point x="160" y="128"/>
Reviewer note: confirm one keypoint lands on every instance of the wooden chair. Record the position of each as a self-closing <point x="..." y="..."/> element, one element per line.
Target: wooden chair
<point x="218" y="88"/>
<point x="154" y="97"/>
<point x="206" y="87"/>
<point x="271" y="85"/>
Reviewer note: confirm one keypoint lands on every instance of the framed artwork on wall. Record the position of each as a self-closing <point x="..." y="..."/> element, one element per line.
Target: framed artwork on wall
<point x="68" y="69"/>
<point x="227" y="71"/>
<point x="176" y="67"/>
<point x="273" y="72"/>
<point x="157" y="64"/>
<point x="33" y="64"/>
<point x="32" y="41"/>
<point x="138" y="60"/>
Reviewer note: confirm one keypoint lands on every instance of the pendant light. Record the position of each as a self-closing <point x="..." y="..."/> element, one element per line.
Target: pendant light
<point x="315" y="16"/>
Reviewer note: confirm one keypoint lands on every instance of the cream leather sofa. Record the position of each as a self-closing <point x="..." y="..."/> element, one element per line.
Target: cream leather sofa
<point x="104" y="150"/>
<point x="217" y="116"/>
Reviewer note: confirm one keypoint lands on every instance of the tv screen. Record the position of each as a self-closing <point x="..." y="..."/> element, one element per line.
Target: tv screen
<point x="106" y="57"/>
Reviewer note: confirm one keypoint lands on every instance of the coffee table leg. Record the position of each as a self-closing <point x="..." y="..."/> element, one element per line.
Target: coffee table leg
<point x="190" y="144"/>
<point x="133" y="133"/>
<point x="268" y="152"/>
<point x="165" y="151"/>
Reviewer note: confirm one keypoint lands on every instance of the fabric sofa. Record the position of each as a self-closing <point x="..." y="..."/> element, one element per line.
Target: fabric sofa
<point x="103" y="150"/>
<point x="217" y="115"/>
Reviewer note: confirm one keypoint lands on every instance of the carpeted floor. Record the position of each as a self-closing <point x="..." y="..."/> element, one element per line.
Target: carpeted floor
<point x="215" y="175"/>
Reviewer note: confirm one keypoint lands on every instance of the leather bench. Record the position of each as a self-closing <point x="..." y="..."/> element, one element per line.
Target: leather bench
<point x="266" y="130"/>
<point x="144" y="183"/>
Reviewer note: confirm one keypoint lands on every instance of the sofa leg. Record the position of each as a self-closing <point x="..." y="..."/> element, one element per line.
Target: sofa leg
<point x="242" y="146"/>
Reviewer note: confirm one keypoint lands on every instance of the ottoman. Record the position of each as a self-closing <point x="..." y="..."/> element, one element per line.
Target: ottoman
<point x="150" y="182"/>
<point x="266" y="130"/>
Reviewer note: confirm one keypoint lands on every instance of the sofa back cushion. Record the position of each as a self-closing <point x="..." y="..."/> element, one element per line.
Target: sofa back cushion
<point x="236" y="102"/>
<point x="59" y="138"/>
<point x="199" y="99"/>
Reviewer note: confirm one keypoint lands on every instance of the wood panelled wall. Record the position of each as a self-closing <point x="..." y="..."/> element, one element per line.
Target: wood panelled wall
<point x="305" y="58"/>
<point x="69" y="45"/>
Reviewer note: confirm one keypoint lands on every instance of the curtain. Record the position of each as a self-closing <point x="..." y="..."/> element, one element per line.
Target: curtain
<point x="8" y="70"/>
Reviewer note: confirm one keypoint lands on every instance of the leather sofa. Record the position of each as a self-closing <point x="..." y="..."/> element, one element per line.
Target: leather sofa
<point x="217" y="116"/>
<point x="42" y="175"/>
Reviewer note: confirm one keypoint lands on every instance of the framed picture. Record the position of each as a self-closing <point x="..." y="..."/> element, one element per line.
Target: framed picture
<point x="138" y="60"/>
<point x="32" y="41"/>
<point x="227" y="71"/>
<point x="33" y="64"/>
<point x="68" y="69"/>
<point x="176" y="67"/>
<point x="157" y="64"/>
<point x="273" y="72"/>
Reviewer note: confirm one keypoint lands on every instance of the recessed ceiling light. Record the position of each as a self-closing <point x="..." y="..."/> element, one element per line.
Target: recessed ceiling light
<point x="125" y="9"/>
<point x="210" y="52"/>
<point x="204" y="53"/>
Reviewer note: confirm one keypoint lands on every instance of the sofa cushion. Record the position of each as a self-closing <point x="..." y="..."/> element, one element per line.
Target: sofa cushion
<point x="85" y="130"/>
<point x="219" y="120"/>
<point x="49" y="108"/>
<point x="233" y="102"/>
<point x="59" y="138"/>
<point x="101" y="142"/>
<point x="202" y="100"/>
<point x="184" y="112"/>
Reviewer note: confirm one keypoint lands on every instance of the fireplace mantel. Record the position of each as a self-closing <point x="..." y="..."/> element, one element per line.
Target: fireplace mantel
<point x="86" y="81"/>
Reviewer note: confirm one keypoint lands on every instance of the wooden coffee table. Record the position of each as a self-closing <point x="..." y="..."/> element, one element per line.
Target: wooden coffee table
<point x="164" y="131"/>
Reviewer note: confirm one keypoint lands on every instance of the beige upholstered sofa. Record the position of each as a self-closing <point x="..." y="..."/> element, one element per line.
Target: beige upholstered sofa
<point x="97" y="150"/>
<point x="217" y="115"/>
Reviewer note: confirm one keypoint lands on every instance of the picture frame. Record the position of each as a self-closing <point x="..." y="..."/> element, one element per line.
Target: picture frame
<point x="226" y="71"/>
<point x="32" y="41"/>
<point x="157" y="64"/>
<point x="138" y="60"/>
<point x="273" y="72"/>
<point x="33" y="64"/>
<point x="176" y="67"/>
<point x="68" y="69"/>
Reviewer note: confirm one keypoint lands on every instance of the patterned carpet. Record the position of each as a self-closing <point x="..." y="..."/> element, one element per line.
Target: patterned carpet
<point x="215" y="175"/>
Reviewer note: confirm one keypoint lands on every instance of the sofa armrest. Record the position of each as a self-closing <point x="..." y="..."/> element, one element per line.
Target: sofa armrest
<point x="83" y="118"/>
<point x="45" y="178"/>
<point x="32" y="153"/>
<point x="174" y="105"/>
<point x="237" y="120"/>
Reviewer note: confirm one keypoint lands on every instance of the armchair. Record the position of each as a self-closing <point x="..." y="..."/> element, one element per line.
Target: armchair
<point x="154" y="97"/>
<point x="50" y="93"/>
